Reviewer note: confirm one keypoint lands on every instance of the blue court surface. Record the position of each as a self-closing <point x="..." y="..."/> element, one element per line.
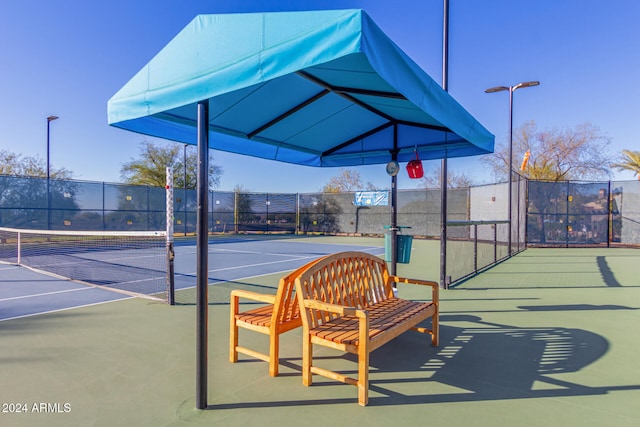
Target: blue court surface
<point x="24" y="292"/>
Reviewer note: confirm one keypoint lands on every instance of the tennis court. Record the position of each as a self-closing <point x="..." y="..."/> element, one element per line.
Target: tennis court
<point x="105" y="269"/>
<point x="547" y="337"/>
<point x="26" y="293"/>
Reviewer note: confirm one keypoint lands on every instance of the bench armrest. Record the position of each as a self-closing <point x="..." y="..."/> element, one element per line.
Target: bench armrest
<point x="334" y="308"/>
<point x="266" y="298"/>
<point x="398" y="279"/>
<point x="435" y="287"/>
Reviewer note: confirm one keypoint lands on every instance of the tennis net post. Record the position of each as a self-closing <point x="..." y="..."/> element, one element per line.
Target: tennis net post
<point x="171" y="286"/>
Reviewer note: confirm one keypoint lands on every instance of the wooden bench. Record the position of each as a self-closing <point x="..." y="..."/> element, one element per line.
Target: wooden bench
<point x="279" y="315"/>
<point x="349" y="305"/>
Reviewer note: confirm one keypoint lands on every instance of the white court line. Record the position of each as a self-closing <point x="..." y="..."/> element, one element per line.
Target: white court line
<point x="217" y="282"/>
<point x="218" y="250"/>
<point x="213" y="250"/>
<point x="293" y="256"/>
<point x="63" y="309"/>
<point x="41" y="269"/>
<point x="261" y="264"/>
<point x="43" y="294"/>
<point x="253" y="265"/>
<point x="299" y="257"/>
<point x="84" y="260"/>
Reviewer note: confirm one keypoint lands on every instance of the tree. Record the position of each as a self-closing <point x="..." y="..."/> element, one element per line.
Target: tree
<point x="150" y="168"/>
<point x="319" y="213"/>
<point x="628" y="161"/>
<point x="555" y="154"/>
<point x="243" y="208"/>
<point x="454" y="179"/>
<point x="17" y="165"/>
<point x="346" y="180"/>
<point x="27" y="194"/>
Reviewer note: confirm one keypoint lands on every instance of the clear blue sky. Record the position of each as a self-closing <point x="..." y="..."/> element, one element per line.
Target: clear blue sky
<point x="67" y="58"/>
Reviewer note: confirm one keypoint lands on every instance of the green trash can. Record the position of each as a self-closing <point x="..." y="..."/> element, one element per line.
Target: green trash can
<point x="403" y="248"/>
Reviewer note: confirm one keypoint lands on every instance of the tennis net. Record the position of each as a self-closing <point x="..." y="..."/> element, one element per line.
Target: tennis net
<point x="131" y="262"/>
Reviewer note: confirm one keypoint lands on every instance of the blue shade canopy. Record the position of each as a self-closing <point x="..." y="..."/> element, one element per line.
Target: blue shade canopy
<point x="317" y="88"/>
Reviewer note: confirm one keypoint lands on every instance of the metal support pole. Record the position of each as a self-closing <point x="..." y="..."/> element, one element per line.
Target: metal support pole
<point x="510" y="206"/>
<point x="394" y="207"/>
<point x="609" y="215"/>
<point x="475" y="248"/>
<point x="49" y="120"/>
<point x="202" y="270"/>
<point x="48" y="181"/>
<point x="298" y="229"/>
<point x="495" y="243"/>
<point x="443" y="167"/>
<point x="104" y="218"/>
<point x="566" y="221"/>
<point x="184" y="188"/>
<point x="519" y="190"/>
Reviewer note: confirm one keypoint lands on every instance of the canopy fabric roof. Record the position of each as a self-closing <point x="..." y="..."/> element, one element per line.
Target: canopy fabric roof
<point x="318" y="88"/>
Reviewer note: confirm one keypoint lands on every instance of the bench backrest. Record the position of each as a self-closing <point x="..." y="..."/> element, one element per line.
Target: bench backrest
<point x="286" y="308"/>
<point x="354" y="279"/>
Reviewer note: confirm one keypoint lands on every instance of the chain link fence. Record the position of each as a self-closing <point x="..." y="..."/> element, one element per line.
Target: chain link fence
<point x="78" y="205"/>
<point x="544" y="213"/>
<point x="604" y="213"/>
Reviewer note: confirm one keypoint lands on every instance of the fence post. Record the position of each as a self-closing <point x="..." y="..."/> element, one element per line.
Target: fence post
<point x="475" y="248"/>
<point x="566" y="224"/>
<point x="184" y="203"/>
<point x="267" y="211"/>
<point x="104" y="213"/>
<point x="495" y="242"/>
<point x="297" y="214"/>
<point x="518" y="217"/>
<point x="609" y="215"/>
<point x="235" y="211"/>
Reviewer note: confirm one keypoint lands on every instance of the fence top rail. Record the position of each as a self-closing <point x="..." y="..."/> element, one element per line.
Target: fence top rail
<point x="477" y="222"/>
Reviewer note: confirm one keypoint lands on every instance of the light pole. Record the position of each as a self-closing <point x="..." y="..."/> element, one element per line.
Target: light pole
<point x="49" y="120"/>
<point x="511" y="89"/>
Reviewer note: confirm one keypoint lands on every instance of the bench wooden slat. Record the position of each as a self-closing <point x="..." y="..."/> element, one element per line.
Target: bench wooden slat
<point x="258" y="316"/>
<point x="383" y="317"/>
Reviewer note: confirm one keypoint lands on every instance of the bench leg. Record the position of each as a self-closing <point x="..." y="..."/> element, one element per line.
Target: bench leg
<point x="307" y="359"/>
<point x="435" y="329"/>
<point x="363" y="361"/>
<point x="363" y="377"/>
<point x="274" y="353"/>
<point x="233" y="333"/>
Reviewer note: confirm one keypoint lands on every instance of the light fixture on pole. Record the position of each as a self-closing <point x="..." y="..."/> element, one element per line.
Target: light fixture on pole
<point x="49" y="120"/>
<point x="511" y="89"/>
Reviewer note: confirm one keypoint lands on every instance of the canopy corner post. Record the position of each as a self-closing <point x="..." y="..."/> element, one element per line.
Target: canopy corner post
<point x="202" y="268"/>
<point x="444" y="282"/>
<point x="394" y="207"/>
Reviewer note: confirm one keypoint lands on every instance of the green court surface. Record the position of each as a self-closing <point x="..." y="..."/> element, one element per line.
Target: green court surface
<point x="547" y="338"/>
